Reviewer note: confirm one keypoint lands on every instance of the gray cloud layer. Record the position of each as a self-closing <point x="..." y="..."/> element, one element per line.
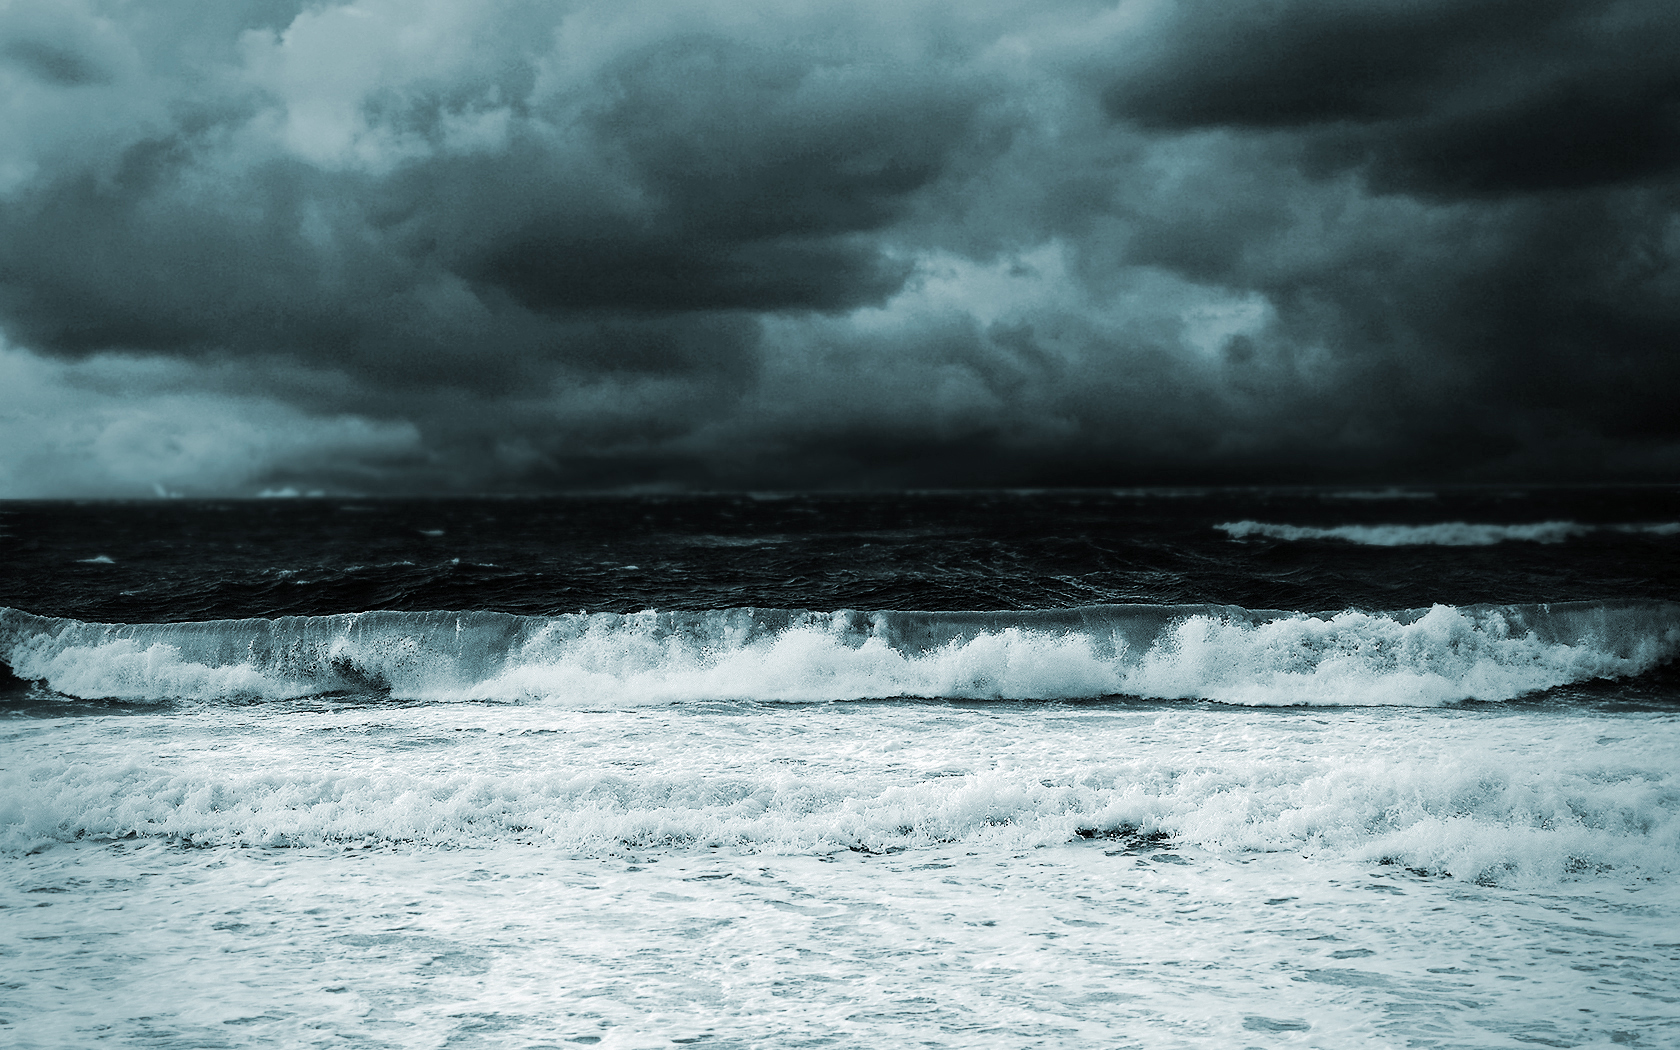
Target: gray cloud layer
<point x="451" y="245"/>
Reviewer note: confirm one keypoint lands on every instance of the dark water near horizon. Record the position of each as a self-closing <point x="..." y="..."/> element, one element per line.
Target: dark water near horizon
<point x="169" y="560"/>
<point x="1197" y="769"/>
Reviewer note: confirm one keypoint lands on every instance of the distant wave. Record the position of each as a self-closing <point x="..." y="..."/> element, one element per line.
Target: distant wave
<point x="1377" y="494"/>
<point x="1220" y="653"/>
<point x="1443" y="534"/>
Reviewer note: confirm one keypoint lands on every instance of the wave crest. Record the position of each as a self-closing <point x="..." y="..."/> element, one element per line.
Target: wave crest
<point x="1440" y="534"/>
<point x="1225" y="654"/>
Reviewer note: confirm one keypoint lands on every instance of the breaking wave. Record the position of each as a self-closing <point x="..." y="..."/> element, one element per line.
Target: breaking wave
<point x="1472" y="815"/>
<point x="1226" y="654"/>
<point x="1442" y="534"/>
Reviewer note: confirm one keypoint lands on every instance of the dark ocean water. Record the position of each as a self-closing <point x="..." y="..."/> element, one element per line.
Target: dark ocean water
<point x="1123" y="565"/>
<point x="1187" y="769"/>
<point x="198" y="560"/>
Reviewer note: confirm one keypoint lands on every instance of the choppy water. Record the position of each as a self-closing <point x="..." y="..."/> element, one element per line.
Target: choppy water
<point x="1036" y="769"/>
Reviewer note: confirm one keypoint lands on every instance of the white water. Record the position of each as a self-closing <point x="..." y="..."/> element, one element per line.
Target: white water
<point x="1428" y="657"/>
<point x="1440" y="534"/>
<point x="872" y="875"/>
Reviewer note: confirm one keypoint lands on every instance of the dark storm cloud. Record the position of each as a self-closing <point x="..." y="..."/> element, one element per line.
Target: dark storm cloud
<point x="754" y="174"/>
<point x="1451" y="97"/>
<point x="1538" y="274"/>
<point x="402" y="246"/>
<point x="55" y="47"/>
<point x="697" y="178"/>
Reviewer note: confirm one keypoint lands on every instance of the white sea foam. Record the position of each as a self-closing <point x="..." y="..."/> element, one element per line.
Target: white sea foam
<point x="1441" y="534"/>
<point x="673" y="875"/>
<point x="805" y="663"/>
<point x="1444" y="656"/>
<point x="1465" y="812"/>
<point x="122" y="669"/>
<point x="1421" y="657"/>
<point x="1375" y="495"/>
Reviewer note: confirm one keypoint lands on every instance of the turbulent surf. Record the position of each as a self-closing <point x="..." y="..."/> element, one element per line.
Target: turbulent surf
<point x="1192" y="769"/>
<point x="1226" y="654"/>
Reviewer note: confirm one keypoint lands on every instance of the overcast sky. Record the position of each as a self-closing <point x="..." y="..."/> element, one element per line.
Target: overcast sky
<point x="467" y="245"/>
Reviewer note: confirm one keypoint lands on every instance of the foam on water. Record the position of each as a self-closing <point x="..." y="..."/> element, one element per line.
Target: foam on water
<point x="1441" y="534"/>
<point x="1230" y="655"/>
<point x="1072" y="947"/>
<point x="1444" y="655"/>
<point x="1465" y="804"/>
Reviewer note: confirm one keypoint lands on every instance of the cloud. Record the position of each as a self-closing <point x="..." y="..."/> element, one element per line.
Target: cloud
<point x="125" y="427"/>
<point x="519" y="245"/>
<point x="1446" y="97"/>
<point x="378" y="182"/>
<point x="1490" y="188"/>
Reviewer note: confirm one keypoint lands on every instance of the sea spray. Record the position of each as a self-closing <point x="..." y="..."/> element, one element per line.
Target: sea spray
<point x="1230" y="655"/>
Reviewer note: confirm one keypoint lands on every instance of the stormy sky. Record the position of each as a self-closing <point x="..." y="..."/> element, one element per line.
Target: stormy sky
<point x="413" y="246"/>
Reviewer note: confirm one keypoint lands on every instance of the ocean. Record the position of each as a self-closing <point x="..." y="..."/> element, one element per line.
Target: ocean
<point x="1166" y="768"/>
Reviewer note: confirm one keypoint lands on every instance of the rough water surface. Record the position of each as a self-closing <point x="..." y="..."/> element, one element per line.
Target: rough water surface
<point x="971" y="770"/>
